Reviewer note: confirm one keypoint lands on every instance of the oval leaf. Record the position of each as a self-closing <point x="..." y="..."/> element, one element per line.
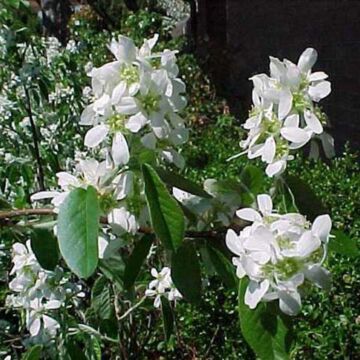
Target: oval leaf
<point x="265" y="329"/>
<point x="168" y="317"/>
<point x="33" y="353"/>
<point x="178" y="181"/>
<point x="45" y="247"/>
<point x="101" y="298"/>
<point x="166" y="215"/>
<point x="306" y="200"/>
<point x="223" y="267"/>
<point x="185" y="272"/>
<point x="136" y="260"/>
<point x="77" y="230"/>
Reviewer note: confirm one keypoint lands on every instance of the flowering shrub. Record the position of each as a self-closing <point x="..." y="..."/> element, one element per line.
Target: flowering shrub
<point x="123" y="202"/>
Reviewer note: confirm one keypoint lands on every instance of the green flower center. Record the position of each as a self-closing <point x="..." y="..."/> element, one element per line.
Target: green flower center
<point x="300" y="103"/>
<point x="107" y="202"/>
<point x="150" y="102"/>
<point x="288" y="267"/>
<point x="130" y="74"/>
<point x="117" y="122"/>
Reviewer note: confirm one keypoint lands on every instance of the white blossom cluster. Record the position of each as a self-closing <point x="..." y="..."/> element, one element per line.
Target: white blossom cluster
<point x="279" y="253"/>
<point x="138" y="93"/>
<point x="112" y="189"/>
<point x="39" y="292"/>
<point x="285" y="113"/>
<point x="162" y="285"/>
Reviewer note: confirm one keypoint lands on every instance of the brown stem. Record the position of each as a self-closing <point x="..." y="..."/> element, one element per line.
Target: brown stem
<point x="5" y="216"/>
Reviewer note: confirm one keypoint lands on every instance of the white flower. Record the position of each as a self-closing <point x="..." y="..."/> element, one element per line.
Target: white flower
<point x="162" y="286"/>
<point x="139" y="91"/>
<point x="40" y="293"/>
<point x="278" y="252"/>
<point x="285" y="115"/>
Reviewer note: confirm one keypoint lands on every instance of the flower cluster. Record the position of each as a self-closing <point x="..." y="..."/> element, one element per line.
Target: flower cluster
<point x="38" y="292"/>
<point x="139" y="92"/>
<point x="162" y="286"/>
<point x="112" y="189"/>
<point x="279" y="253"/>
<point x="285" y="113"/>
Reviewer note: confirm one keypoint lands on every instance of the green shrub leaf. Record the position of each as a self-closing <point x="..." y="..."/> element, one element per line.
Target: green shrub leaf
<point x="178" y="181"/>
<point x="265" y="329"/>
<point x="343" y="244"/>
<point x="223" y="267"/>
<point x="136" y="259"/>
<point x="168" y="317"/>
<point x="101" y="298"/>
<point x="45" y="247"/>
<point x="78" y="227"/>
<point x="185" y="272"/>
<point x="306" y="200"/>
<point x="34" y="353"/>
<point x="166" y="215"/>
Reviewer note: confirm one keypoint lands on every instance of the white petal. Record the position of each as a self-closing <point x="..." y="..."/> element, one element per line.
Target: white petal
<point x="248" y="214"/>
<point x="322" y="227"/>
<point x="136" y="122"/>
<point x="290" y="302"/>
<point x="34" y="327"/>
<point x="118" y="93"/>
<point x="119" y="150"/>
<point x="319" y="276"/>
<point x="320" y="90"/>
<point x="66" y="180"/>
<point x="292" y="121"/>
<point x="313" y="122"/>
<point x="317" y="76"/>
<point x="96" y="135"/>
<point x="88" y="116"/>
<point x="307" y="60"/>
<point x="269" y="150"/>
<point x="149" y="141"/>
<point x="233" y="242"/>
<point x="127" y="106"/>
<point x="265" y="204"/>
<point x="275" y="168"/>
<point x="307" y="244"/>
<point x="44" y="195"/>
<point x="254" y="292"/>
<point x="295" y="135"/>
<point x="285" y="103"/>
<point x="124" y="49"/>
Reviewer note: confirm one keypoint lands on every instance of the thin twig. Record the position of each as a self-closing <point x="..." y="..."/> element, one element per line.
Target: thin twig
<point x="5" y="217"/>
<point x="129" y="311"/>
<point x="40" y="172"/>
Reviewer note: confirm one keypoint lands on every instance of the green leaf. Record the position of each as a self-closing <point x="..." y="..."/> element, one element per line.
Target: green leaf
<point x="306" y="200"/>
<point x="78" y="228"/>
<point x="252" y="182"/>
<point x="178" y="181"/>
<point x="45" y="247"/>
<point x="34" y="353"/>
<point x="166" y="215"/>
<point x="101" y="298"/>
<point x="136" y="259"/>
<point x="223" y="267"/>
<point x="113" y="268"/>
<point x="265" y="328"/>
<point x="185" y="272"/>
<point x="168" y="317"/>
<point x="343" y="244"/>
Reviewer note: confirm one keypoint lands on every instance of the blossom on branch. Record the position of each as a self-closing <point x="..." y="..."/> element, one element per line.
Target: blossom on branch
<point x="279" y="253"/>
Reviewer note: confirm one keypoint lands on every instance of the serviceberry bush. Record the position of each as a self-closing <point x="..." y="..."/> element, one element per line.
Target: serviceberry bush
<point x="115" y="229"/>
